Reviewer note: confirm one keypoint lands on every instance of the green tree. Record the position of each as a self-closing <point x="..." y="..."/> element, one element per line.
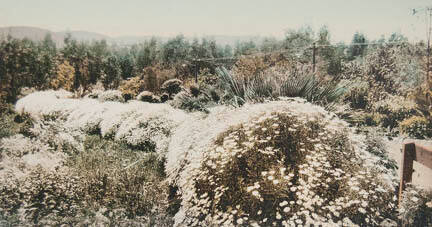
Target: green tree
<point x="175" y="49"/>
<point x="112" y="76"/>
<point x="358" y="46"/>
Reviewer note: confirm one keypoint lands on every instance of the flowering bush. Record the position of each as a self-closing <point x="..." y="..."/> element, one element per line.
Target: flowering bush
<point x="139" y="124"/>
<point x="111" y="95"/>
<point x="18" y="145"/>
<point x="393" y="110"/>
<point x="416" y="207"/>
<point x="417" y="127"/>
<point x="280" y="163"/>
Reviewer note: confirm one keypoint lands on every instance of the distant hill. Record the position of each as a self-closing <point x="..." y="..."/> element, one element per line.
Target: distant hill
<point x="38" y="34"/>
<point x="32" y="33"/>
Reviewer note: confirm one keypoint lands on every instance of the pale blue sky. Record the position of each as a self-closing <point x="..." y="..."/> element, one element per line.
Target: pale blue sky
<point x="218" y="17"/>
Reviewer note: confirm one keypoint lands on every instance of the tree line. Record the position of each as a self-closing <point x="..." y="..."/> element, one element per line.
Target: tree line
<point x="43" y="65"/>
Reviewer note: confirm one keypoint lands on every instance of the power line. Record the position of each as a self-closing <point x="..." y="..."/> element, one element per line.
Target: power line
<point x="291" y="50"/>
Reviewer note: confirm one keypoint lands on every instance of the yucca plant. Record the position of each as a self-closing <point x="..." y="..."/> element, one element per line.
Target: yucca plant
<point x="239" y="90"/>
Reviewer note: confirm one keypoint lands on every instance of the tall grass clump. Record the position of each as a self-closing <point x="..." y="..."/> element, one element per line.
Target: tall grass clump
<point x="271" y="84"/>
<point x="280" y="163"/>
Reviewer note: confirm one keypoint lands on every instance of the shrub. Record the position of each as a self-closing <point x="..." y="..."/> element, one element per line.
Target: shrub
<point x="107" y="183"/>
<point x="280" y="163"/>
<point x="357" y="96"/>
<point x="417" y="127"/>
<point x="186" y="101"/>
<point x="147" y="96"/>
<point x="116" y="177"/>
<point x="164" y="97"/>
<point x="132" y="86"/>
<point x="172" y="86"/>
<point x="155" y="76"/>
<point x="41" y="194"/>
<point x="138" y="124"/>
<point x="65" y="77"/>
<point x="394" y="110"/>
<point x="194" y="90"/>
<point x="375" y="145"/>
<point x="12" y="123"/>
<point x="111" y="95"/>
<point x="416" y="207"/>
<point x="273" y="84"/>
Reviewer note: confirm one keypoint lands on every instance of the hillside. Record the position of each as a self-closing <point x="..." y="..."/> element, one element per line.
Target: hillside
<point x="37" y="34"/>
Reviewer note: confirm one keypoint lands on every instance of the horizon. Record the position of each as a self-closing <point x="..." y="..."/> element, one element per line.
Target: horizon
<point x="194" y="18"/>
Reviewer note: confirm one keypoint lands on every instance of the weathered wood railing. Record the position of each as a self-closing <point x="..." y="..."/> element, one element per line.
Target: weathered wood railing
<point x="413" y="152"/>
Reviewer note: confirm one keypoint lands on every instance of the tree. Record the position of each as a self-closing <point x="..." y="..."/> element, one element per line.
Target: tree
<point x="65" y="77"/>
<point x="112" y="72"/>
<point x="175" y="49"/>
<point x="270" y="44"/>
<point x="358" y="46"/>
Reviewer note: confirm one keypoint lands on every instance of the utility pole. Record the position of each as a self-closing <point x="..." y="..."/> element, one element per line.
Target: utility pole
<point x="428" y="18"/>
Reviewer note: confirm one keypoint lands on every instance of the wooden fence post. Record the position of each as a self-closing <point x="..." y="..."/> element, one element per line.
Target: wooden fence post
<point x="408" y="157"/>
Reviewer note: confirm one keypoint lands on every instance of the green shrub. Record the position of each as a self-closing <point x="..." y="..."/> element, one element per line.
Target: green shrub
<point x="105" y="184"/>
<point x="377" y="147"/>
<point x="357" y="97"/>
<point x="186" y="101"/>
<point x="416" y="207"/>
<point x="270" y="85"/>
<point x="282" y="169"/>
<point x="394" y="110"/>
<point x="417" y="127"/>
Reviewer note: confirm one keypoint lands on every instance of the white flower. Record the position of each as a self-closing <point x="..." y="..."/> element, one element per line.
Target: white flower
<point x="284" y="203"/>
<point x="278" y="216"/>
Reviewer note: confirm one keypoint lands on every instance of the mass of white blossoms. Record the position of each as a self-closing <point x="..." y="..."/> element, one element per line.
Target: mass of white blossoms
<point x="135" y="123"/>
<point x="286" y="163"/>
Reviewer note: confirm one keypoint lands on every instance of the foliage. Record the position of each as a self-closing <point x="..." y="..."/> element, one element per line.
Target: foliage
<point x="394" y="110"/>
<point x="375" y="145"/>
<point x="417" y="127"/>
<point x="155" y="76"/>
<point x="273" y="84"/>
<point x="105" y="183"/>
<point x="186" y="101"/>
<point x="416" y="207"/>
<point x="133" y="86"/>
<point x="147" y="96"/>
<point x="138" y="124"/>
<point x="111" y="96"/>
<point x="12" y="123"/>
<point x="358" y="45"/>
<point x="172" y="86"/>
<point x="280" y="163"/>
<point x="64" y="78"/>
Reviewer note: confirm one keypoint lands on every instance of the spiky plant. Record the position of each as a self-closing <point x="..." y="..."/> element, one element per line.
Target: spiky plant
<point x="239" y="90"/>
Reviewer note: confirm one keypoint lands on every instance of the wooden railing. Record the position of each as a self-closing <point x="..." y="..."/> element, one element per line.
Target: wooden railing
<point x="413" y="152"/>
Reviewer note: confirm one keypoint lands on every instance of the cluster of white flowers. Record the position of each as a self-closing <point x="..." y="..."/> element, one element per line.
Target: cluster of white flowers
<point x="19" y="145"/>
<point x="135" y="123"/>
<point x="276" y="163"/>
<point x="110" y="95"/>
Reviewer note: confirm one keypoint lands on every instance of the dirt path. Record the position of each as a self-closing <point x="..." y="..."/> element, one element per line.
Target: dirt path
<point x="422" y="175"/>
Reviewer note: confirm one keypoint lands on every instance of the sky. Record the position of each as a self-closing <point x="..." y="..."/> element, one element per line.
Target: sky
<point x="115" y="18"/>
